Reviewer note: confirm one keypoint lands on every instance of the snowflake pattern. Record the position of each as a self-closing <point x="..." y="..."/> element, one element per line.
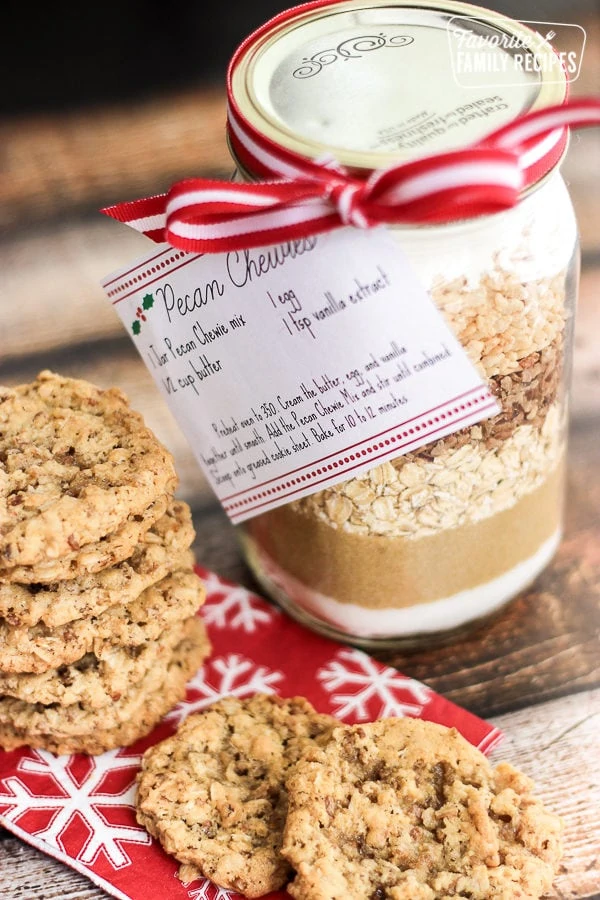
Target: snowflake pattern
<point x="209" y="891"/>
<point x="73" y="797"/>
<point x="232" y="606"/>
<point x="377" y="692"/>
<point x="227" y="676"/>
<point x="80" y="809"/>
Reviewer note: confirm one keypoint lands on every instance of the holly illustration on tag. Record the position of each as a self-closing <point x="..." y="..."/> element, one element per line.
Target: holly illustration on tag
<point x="147" y="303"/>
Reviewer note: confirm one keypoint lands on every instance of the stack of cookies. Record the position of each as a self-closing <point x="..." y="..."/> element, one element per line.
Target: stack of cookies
<point x="98" y="632"/>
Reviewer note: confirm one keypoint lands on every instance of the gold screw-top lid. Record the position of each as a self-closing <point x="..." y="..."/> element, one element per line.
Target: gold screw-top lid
<point x="370" y="82"/>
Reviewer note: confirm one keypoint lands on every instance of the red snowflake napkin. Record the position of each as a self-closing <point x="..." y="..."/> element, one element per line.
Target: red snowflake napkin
<point x="80" y="809"/>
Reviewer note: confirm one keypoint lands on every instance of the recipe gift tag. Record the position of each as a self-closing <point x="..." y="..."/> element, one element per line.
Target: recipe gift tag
<point x="297" y="366"/>
<point x="80" y="809"/>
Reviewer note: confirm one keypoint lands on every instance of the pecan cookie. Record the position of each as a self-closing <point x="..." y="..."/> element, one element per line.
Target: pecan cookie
<point x="214" y="796"/>
<point x="37" y="649"/>
<point x="161" y="549"/>
<point x="96" y="679"/>
<point x="75" y="462"/>
<point x="91" y="558"/>
<point x="407" y="810"/>
<point x="74" y="729"/>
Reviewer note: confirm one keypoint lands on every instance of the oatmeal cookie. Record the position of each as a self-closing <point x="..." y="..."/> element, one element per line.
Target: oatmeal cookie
<point x="75" y="462"/>
<point x="407" y="810"/>
<point x="77" y="730"/>
<point x="91" y="558"/>
<point x="96" y="679"/>
<point x="37" y="649"/>
<point x="214" y="796"/>
<point x="160" y="551"/>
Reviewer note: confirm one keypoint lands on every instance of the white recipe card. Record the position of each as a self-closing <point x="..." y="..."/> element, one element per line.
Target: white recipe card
<point x="293" y="367"/>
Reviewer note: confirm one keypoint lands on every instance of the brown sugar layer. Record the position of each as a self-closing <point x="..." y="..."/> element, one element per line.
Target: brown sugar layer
<point x="502" y="319"/>
<point x="397" y="573"/>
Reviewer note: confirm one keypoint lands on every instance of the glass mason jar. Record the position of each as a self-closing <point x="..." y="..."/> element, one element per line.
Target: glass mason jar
<point x="420" y="547"/>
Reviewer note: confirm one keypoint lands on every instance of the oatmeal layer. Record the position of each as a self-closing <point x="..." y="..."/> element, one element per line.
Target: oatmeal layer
<point x="414" y="498"/>
<point x="376" y="571"/>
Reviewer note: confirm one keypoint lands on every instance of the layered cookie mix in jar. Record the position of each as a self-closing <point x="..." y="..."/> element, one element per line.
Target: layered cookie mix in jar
<point x="434" y="540"/>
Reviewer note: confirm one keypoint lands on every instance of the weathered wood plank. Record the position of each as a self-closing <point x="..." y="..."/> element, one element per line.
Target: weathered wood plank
<point x="58" y="162"/>
<point x="585" y="393"/>
<point x="51" y="285"/>
<point x="82" y="160"/>
<point x="580" y="170"/>
<point x="27" y="874"/>
<point x="556" y="744"/>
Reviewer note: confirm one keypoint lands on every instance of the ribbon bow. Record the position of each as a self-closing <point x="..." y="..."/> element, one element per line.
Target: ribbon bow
<point x="208" y="216"/>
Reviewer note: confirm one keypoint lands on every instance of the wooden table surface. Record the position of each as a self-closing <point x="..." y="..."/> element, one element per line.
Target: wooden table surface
<point x="535" y="670"/>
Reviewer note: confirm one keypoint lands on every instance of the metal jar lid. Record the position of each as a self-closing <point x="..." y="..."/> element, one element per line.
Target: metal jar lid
<point x="372" y="83"/>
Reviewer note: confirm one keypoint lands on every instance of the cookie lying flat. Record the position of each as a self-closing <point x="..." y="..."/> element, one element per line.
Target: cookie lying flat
<point x="91" y="558"/>
<point x="160" y="550"/>
<point x="37" y="649"/>
<point x="96" y="679"/>
<point x="76" y="462"/>
<point x="77" y="730"/>
<point x="214" y="796"/>
<point x="406" y="810"/>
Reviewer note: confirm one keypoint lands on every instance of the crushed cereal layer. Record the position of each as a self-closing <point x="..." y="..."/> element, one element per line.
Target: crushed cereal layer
<point x="414" y="498"/>
<point x="502" y="319"/>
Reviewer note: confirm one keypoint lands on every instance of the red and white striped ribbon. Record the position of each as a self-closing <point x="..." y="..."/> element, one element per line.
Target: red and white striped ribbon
<point x="310" y="197"/>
